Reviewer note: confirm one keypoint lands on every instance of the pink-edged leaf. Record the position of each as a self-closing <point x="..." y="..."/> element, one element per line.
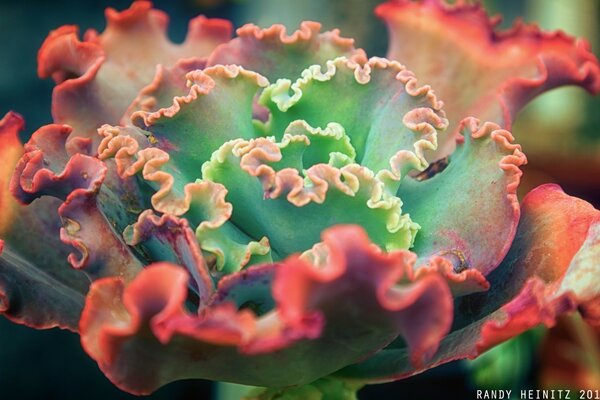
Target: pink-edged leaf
<point x="539" y="279"/>
<point x="469" y="211"/>
<point x="168" y="83"/>
<point x="99" y="77"/>
<point x="322" y="318"/>
<point x="217" y="107"/>
<point x="46" y="169"/>
<point x="38" y="287"/>
<point x="275" y="54"/>
<point x="391" y="119"/>
<point x="480" y="71"/>
<point x="171" y="239"/>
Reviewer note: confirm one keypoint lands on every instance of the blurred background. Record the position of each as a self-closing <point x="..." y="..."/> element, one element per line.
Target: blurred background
<point x="560" y="133"/>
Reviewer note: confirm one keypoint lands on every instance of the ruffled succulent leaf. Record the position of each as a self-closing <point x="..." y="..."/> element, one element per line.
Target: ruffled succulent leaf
<point x="99" y="77"/>
<point x="267" y="182"/>
<point x="270" y="52"/>
<point x="475" y="227"/>
<point x="217" y="108"/>
<point x="323" y="318"/>
<point x="539" y="279"/>
<point x="480" y="71"/>
<point x="47" y="169"/>
<point x="168" y="83"/>
<point x="226" y="248"/>
<point x="569" y="355"/>
<point x="390" y="120"/>
<point x="214" y="170"/>
<point x="37" y="286"/>
<point x="171" y="239"/>
<point x="275" y="54"/>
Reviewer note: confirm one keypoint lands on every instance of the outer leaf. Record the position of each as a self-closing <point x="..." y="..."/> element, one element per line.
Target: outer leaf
<point x="477" y="70"/>
<point x="37" y="286"/>
<point x="324" y="318"/>
<point x="46" y="169"/>
<point x="274" y="54"/>
<point x="536" y="282"/>
<point x="99" y="77"/>
<point x="11" y="148"/>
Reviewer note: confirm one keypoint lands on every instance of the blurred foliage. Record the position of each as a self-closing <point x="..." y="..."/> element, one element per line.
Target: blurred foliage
<point x="323" y="389"/>
<point x="570" y="355"/>
<point x="507" y="365"/>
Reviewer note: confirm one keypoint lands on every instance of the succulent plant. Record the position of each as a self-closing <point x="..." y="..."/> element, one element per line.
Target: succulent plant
<point x="280" y="210"/>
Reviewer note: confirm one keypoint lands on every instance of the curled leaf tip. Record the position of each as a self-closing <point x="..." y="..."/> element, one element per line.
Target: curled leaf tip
<point x="63" y="56"/>
<point x="516" y="65"/>
<point x="461" y="279"/>
<point x="10" y="124"/>
<point x="175" y="236"/>
<point x="85" y="228"/>
<point x="47" y="169"/>
<point x="513" y="159"/>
